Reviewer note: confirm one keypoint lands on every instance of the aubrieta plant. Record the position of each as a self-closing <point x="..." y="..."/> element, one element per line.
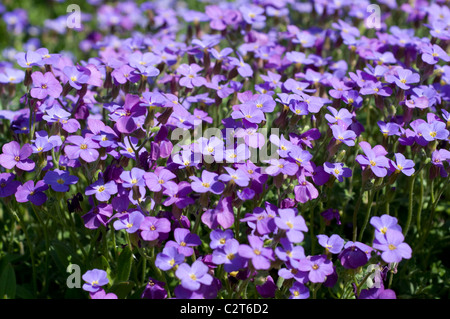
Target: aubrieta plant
<point x="208" y="149"/>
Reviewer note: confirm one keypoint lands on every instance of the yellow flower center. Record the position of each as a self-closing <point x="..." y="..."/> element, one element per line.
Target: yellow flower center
<point x="392" y="247"/>
<point x="315" y="267"/>
<point x="101" y="189"/>
<point x="17" y="158"/>
<point x="83" y="146"/>
<point x="205" y="185"/>
<point x="257" y="252"/>
<point x="373" y="163"/>
<point x="290" y="225"/>
<point x="60" y="181"/>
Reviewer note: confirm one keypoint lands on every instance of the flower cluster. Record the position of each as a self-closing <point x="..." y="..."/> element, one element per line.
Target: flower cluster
<point x="207" y="143"/>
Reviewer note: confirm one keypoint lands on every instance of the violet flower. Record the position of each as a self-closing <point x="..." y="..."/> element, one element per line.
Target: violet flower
<point x="15" y="156"/>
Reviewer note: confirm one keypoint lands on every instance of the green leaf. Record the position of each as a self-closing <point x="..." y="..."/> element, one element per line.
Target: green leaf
<point x="122" y="289"/>
<point x="7" y="282"/>
<point x="124" y="264"/>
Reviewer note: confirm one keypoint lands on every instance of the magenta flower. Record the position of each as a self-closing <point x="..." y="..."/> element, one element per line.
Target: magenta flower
<point x="260" y="256"/>
<point x="45" y="85"/>
<point x="305" y="190"/>
<point x="97" y="216"/>
<point x="221" y="215"/>
<point x="15" y="156"/>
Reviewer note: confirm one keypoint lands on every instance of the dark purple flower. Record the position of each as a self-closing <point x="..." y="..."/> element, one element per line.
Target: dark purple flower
<point x="377" y="293"/>
<point x="97" y="216"/>
<point x="60" y="180"/>
<point x="338" y="170"/>
<point x="154" y="290"/>
<point x="8" y="186"/>
<point x="15" y="156"/>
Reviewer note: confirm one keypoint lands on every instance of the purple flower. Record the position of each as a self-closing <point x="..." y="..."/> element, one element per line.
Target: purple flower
<point x="83" y="147"/>
<point x="403" y="77"/>
<point x="219" y="237"/>
<point x="342" y="115"/>
<point x="151" y="227"/>
<point x="374" y="159"/>
<point x="10" y="75"/>
<point x="97" y="216"/>
<point x="60" y="180"/>
<point x="333" y="244"/>
<point x="249" y="113"/>
<point x="298" y="291"/>
<point x="8" y="186"/>
<point x="260" y="256"/>
<point x="132" y="178"/>
<point x="228" y="256"/>
<point x="289" y="253"/>
<point x="193" y="276"/>
<point x="305" y="190"/>
<point x="244" y="69"/>
<point x="101" y="294"/>
<point x="292" y="223"/>
<point x="129" y="221"/>
<point x="15" y="156"/>
<point x="281" y="166"/>
<point x="402" y="164"/>
<point x="252" y="14"/>
<point x="102" y="190"/>
<point x="392" y="246"/>
<point x="158" y="180"/>
<point x="184" y="241"/>
<point x="95" y="279"/>
<point x="377" y="293"/>
<point x="169" y="258"/>
<point x="433" y="131"/>
<point x="77" y="76"/>
<point x="44" y="85"/>
<point x="208" y="183"/>
<point x="33" y="193"/>
<point x="189" y="78"/>
<point x="57" y="114"/>
<point x="432" y="54"/>
<point x="318" y="267"/>
<point x="222" y="214"/>
<point x="237" y="176"/>
<point x="343" y="135"/>
<point x="29" y="59"/>
<point x="338" y="170"/>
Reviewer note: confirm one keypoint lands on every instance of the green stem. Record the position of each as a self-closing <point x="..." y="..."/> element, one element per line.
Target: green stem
<point x="355" y="215"/>
<point x="410" y="204"/>
<point x="366" y="219"/>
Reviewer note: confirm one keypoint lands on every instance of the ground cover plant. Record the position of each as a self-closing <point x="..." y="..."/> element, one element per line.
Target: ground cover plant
<point x="224" y="149"/>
